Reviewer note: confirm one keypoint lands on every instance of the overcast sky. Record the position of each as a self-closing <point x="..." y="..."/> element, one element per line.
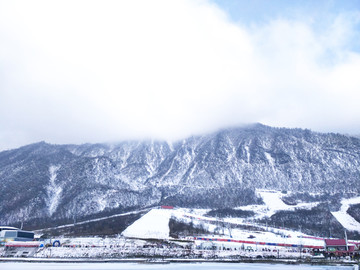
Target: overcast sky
<point x="106" y="71"/>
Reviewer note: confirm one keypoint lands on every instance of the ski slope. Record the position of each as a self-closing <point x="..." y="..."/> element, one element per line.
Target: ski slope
<point x="344" y="218"/>
<point x="155" y="224"/>
<point x="273" y="204"/>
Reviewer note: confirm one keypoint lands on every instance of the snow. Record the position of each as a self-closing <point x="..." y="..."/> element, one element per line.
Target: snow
<point x="155" y="224"/>
<point x="168" y="171"/>
<point x="247" y="154"/>
<point x="273" y="201"/>
<point x="171" y="146"/>
<point x="270" y="159"/>
<point x="102" y="203"/>
<point x="344" y="218"/>
<point x="53" y="191"/>
<point x="347" y="221"/>
<point x="273" y="204"/>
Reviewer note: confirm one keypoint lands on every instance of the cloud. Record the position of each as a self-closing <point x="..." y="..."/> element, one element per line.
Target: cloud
<point x="94" y="71"/>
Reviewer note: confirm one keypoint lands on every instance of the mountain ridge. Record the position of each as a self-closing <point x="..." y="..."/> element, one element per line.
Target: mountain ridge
<point x="216" y="170"/>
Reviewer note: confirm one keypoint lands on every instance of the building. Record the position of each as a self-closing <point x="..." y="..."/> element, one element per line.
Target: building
<point x="339" y="248"/>
<point x="2" y="228"/>
<point x="14" y="234"/>
<point x="21" y="248"/>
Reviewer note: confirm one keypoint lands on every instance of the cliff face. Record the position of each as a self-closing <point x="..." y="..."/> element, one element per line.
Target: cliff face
<point x="217" y="170"/>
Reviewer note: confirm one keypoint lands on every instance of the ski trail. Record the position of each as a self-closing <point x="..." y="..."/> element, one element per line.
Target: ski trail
<point x="347" y="221"/>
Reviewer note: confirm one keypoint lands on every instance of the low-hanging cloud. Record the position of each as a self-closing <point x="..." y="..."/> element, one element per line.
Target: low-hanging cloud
<point x="95" y="71"/>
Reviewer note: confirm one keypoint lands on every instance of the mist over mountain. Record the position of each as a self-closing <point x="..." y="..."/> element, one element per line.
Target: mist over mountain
<point x="58" y="183"/>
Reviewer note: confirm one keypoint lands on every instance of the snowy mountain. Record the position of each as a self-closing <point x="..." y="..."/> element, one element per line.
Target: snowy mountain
<point x="57" y="183"/>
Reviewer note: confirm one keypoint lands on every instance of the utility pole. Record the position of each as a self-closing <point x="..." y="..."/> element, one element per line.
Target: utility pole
<point x="346" y="240"/>
<point x="75" y="213"/>
<point x="300" y="245"/>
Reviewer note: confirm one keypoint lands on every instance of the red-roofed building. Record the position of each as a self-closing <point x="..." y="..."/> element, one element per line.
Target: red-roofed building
<point x="167" y="207"/>
<point x="339" y="247"/>
<point x="335" y="242"/>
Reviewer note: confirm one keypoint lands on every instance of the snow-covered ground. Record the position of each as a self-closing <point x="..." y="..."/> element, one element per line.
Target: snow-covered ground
<point x="344" y="218"/>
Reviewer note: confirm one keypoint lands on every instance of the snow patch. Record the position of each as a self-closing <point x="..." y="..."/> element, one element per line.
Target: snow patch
<point x="102" y="203"/>
<point x="269" y="159"/>
<point x="53" y="191"/>
<point x="247" y="154"/>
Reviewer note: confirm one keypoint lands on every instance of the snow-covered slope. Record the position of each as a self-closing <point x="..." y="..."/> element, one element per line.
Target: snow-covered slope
<point x="154" y="224"/>
<point x="344" y="218"/>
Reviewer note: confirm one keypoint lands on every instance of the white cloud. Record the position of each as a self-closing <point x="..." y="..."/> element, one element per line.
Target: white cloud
<point x="92" y="71"/>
